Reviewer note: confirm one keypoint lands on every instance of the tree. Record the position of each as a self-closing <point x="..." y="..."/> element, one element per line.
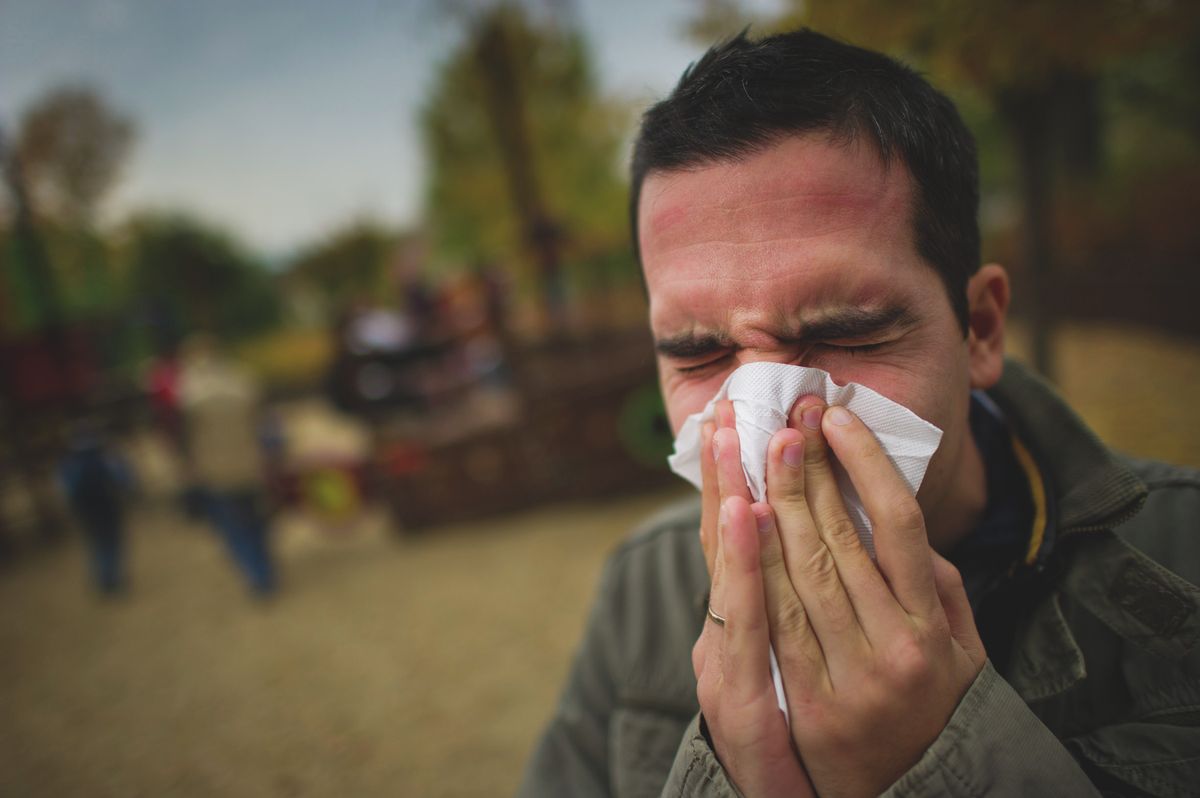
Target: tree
<point x="523" y="152"/>
<point x="25" y="255"/>
<point x="64" y="158"/>
<point x="349" y="264"/>
<point x="66" y="155"/>
<point x="71" y="148"/>
<point x="189" y="276"/>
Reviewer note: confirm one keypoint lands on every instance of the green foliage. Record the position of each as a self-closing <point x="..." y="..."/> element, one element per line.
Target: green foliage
<point x="349" y="264"/>
<point x="192" y="277"/>
<point x="84" y="268"/>
<point x="1153" y="109"/>
<point x="573" y="140"/>
<point x="990" y="43"/>
<point x="66" y="155"/>
<point x="1145" y="51"/>
<point x="83" y="276"/>
<point x="18" y="310"/>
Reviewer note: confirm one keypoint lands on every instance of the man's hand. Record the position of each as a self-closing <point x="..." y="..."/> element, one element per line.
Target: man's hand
<point x="874" y="659"/>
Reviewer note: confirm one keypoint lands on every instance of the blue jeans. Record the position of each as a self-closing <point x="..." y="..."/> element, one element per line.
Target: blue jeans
<point x="237" y="517"/>
<point x="104" y="550"/>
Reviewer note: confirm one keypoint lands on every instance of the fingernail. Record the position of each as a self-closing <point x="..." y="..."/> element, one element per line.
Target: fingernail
<point x="793" y="455"/>
<point x="811" y="417"/>
<point x="839" y="416"/>
<point x="763" y="517"/>
<point x="716" y="450"/>
<point x="722" y="518"/>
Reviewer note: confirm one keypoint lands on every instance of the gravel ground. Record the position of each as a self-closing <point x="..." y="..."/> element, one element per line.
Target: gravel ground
<point x="415" y="667"/>
<point x="422" y="666"/>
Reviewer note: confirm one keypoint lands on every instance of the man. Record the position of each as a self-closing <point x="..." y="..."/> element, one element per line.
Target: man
<point x="222" y="409"/>
<point x="801" y="201"/>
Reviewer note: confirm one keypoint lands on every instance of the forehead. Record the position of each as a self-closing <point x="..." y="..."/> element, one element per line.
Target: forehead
<point x="827" y="219"/>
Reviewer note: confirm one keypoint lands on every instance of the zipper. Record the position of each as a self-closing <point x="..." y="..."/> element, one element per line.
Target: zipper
<point x="1109" y="523"/>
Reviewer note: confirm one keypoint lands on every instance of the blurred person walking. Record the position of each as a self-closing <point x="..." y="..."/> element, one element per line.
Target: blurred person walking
<point x="96" y="480"/>
<point x="221" y="404"/>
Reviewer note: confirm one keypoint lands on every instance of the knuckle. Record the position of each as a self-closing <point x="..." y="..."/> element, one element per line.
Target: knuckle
<point x="820" y="567"/>
<point x="832" y="605"/>
<point x="792" y="511"/>
<point x="840" y="531"/>
<point x="953" y="574"/>
<point x="792" y="619"/>
<point x="907" y="515"/>
<point x="949" y="575"/>
<point x="908" y="662"/>
<point x="866" y="447"/>
<point x="771" y="557"/>
<point x="838" y="614"/>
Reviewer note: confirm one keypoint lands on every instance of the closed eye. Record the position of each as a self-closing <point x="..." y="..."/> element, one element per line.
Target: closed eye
<point x="857" y="349"/>
<point x="698" y="368"/>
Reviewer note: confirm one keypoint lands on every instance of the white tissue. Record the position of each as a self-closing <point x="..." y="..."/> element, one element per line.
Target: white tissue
<point x="763" y="395"/>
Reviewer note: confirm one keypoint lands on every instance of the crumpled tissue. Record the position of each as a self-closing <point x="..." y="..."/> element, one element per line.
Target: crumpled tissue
<point x="763" y="395"/>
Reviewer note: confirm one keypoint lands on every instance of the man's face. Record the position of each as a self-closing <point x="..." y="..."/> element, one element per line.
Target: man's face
<point x="803" y="253"/>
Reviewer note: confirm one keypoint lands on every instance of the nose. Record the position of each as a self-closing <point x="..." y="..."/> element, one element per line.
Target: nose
<point x="792" y="354"/>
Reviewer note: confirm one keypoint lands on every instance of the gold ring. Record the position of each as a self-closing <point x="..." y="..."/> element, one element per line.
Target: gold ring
<point x="717" y="619"/>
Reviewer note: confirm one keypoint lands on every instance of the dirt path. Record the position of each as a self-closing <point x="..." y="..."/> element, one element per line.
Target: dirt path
<point x="420" y="667"/>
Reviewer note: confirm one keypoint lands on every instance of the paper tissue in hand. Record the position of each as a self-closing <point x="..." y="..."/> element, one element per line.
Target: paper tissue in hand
<point x="763" y="395"/>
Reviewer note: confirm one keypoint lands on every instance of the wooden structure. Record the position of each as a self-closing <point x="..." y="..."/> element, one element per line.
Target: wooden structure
<point x="583" y="421"/>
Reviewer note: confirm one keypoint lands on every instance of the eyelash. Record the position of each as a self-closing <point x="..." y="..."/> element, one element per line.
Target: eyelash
<point x="859" y="349"/>
<point x="853" y="351"/>
<point x="699" y="368"/>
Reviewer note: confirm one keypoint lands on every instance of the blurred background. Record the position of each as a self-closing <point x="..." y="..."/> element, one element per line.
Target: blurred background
<point x="324" y="378"/>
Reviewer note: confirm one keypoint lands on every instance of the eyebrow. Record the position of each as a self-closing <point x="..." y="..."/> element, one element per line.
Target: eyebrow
<point x="843" y="324"/>
<point x="854" y="323"/>
<point x="689" y="345"/>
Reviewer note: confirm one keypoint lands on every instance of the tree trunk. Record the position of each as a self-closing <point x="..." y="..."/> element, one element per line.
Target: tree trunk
<point x="506" y="107"/>
<point x="31" y="253"/>
<point x="1027" y="113"/>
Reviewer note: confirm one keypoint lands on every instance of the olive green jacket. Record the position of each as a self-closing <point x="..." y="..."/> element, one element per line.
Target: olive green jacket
<point x="1100" y="696"/>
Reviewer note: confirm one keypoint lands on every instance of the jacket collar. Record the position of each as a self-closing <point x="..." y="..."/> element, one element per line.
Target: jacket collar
<point x="1089" y="492"/>
<point x="1087" y="487"/>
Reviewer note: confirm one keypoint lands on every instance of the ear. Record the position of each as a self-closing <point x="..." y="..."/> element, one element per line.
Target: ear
<point x="987" y="309"/>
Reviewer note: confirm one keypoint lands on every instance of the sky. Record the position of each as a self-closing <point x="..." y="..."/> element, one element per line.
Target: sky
<point x="282" y="120"/>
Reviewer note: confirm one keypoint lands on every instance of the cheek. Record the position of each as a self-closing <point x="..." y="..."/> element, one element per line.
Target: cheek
<point x="930" y="400"/>
<point x="685" y="397"/>
<point x="901" y="385"/>
<point x="934" y="400"/>
<point x="931" y="381"/>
